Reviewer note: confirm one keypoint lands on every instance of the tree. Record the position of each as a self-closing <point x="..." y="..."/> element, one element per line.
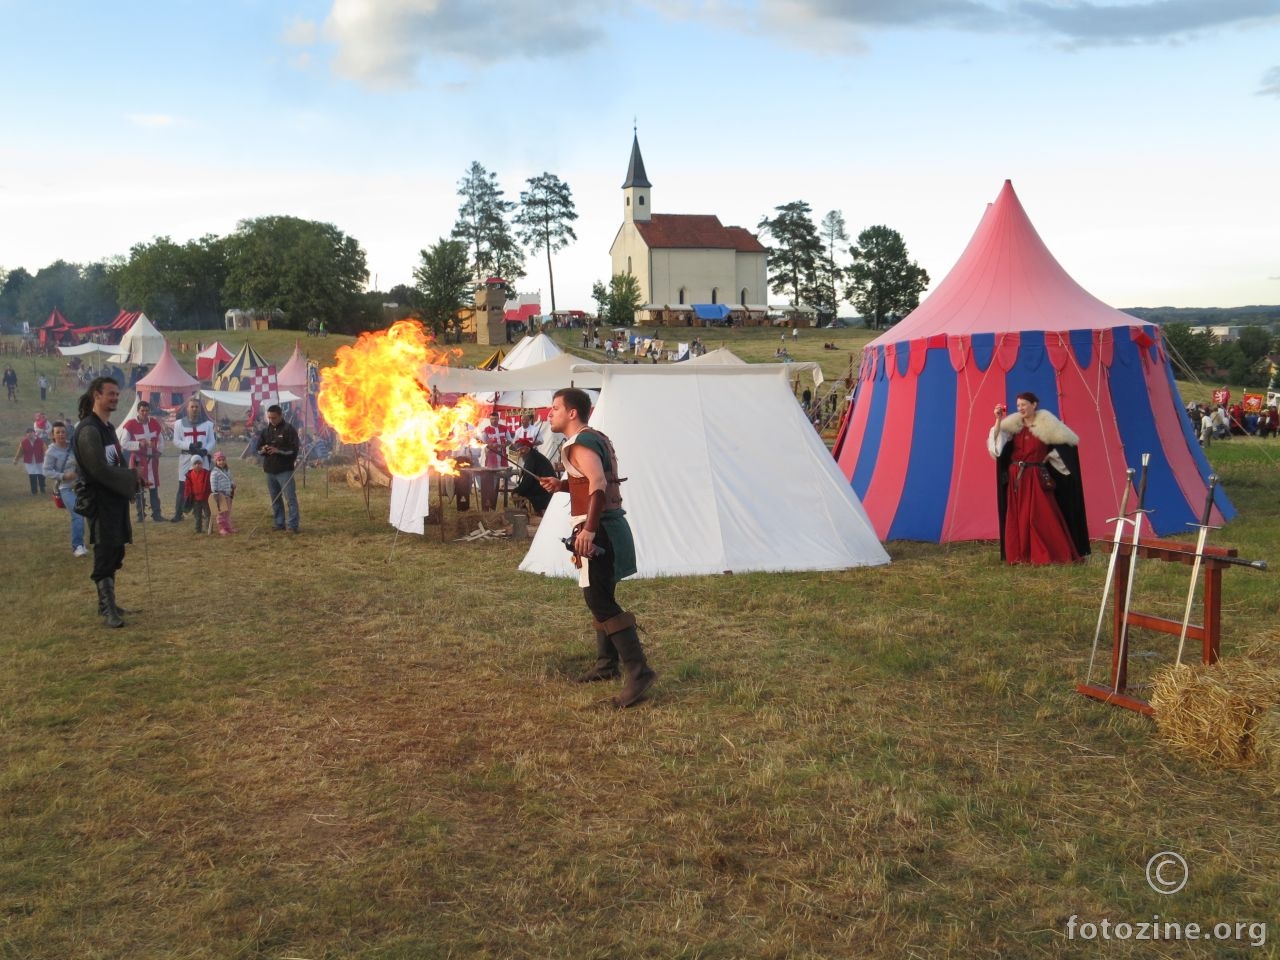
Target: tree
<point x="617" y="305"/>
<point x="1255" y="343"/>
<point x="793" y="262"/>
<point x="443" y="285"/>
<point x="884" y="281"/>
<point x="545" y="219"/>
<point x="15" y="281"/>
<point x="829" y="274"/>
<point x="482" y="226"/>
<point x="303" y="268"/>
<point x="1189" y="349"/>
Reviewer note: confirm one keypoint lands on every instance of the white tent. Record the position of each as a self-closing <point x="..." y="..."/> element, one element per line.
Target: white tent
<point x="82" y="349"/>
<point x="533" y="349"/>
<point x="244" y="398"/>
<point x="549" y="375"/>
<point x="143" y="343"/>
<point x="732" y="478"/>
<point x="723" y="356"/>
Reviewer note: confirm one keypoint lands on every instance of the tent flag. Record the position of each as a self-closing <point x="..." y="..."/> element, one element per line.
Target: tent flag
<point x="263" y="388"/>
<point x="1005" y="320"/>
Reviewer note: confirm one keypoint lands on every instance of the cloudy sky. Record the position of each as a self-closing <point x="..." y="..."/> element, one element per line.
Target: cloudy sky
<point x="1142" y="136"/>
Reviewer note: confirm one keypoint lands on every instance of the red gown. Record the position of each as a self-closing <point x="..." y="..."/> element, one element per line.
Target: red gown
<point x="1034" y="529"/>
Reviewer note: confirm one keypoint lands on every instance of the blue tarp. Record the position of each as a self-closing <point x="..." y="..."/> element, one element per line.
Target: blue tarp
<point x="711" y="311"/>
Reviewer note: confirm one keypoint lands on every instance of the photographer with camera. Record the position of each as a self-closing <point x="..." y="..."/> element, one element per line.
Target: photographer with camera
<point x="278" y="443"/>
<point x="603" y="549"/>
<point x="194" y="435"/>
<point x="110" y="485"/>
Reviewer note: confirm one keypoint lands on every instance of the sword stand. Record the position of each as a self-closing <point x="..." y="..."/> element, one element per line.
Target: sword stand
<point x="1209" y="631"/>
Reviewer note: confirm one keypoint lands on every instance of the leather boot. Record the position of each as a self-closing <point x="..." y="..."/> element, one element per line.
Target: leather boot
<point x="637" y="675"/>
<point x="107" y="602"/>
<point x="102" y="607"/>
<point x="224" y="522"/>
<point x="606" y="666"/>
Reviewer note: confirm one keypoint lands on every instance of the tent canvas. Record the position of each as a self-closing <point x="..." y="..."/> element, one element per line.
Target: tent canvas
<point x="559" y="371"/>
<point x="234" y="376"/>
<point x="535" y="348"/>
<point x="1007" y="319"/>
<point x="84" y="349"/>
<point x="293" y="375"/>
<point x="166" y="385"/>
<point x="757" y="491"/>
<point x="723" y="355"/>
<point x="141" y="345"/>
<point x="211" y="359"/>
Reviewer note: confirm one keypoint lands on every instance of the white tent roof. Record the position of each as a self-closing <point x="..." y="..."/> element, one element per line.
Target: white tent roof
<point x="533" y="349"/>
<point x="244" y="398"/>
<point x="758" y="489"/>
<point x="723" y="356"/>
<point x="559" y="371"/>
<point x="80" y="349"/>
<point x="143" y="343"/>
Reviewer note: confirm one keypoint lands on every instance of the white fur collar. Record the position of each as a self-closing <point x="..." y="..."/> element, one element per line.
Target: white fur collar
<point x="1045" y="427"/>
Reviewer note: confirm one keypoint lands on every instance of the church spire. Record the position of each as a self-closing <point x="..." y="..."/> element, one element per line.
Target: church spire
<point x="635" y="192"/>
<point x="635" y="169"/>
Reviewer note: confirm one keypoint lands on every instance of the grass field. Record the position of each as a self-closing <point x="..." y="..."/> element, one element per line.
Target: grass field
<point x="352" y="744"/>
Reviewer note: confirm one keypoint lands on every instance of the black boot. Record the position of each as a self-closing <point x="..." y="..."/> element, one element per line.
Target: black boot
<point x="107" y="602"/>
<point x="606" y="666"/>
<point x="635" y="670"/>
<point x="102" y="606"/>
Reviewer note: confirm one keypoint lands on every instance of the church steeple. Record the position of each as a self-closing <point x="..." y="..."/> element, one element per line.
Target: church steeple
<point x="635" y="191"/>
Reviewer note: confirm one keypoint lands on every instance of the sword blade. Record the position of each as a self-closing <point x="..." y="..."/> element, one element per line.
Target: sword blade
<point x="1133" y="569"/>
<point x="1111" y="571"/>
<point x="1195" y="567"/>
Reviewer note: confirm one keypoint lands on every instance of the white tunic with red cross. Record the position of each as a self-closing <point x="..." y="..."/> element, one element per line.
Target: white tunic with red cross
<point x="185" y="433"/>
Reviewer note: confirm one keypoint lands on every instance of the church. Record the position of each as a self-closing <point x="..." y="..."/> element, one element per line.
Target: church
<point x="691" y="269"/>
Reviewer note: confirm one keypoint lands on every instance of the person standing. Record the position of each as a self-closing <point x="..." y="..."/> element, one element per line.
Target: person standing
<point x="603" y="548"/>
<point x="11" y="383"/>
<point x="224" y="492"/>
<point x="60" y="467"/>
<point x="278" y="444"/>
<point x="1040" y="497"/>
<point x="144" y="441"/>
<point x="198" y="491"/>
<point x="43" y="383"/>
<point x="494" y="438"/>
<point x="194" y="435"/>
<point x="112" y="485"/>
<point x="31" y="453"/>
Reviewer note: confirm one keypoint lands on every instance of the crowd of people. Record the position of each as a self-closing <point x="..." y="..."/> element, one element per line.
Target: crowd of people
<point x="1215" y="421"/>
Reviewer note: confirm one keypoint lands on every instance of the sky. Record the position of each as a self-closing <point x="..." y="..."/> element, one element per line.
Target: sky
<point x="1143" y="138"/>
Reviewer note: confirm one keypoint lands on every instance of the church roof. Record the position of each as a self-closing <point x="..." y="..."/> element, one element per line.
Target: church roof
<point x="695" y="231"/>
<point x="635" y="169"/>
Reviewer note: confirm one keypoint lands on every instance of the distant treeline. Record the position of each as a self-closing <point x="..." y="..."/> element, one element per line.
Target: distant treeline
<point x="1208" y="316"/>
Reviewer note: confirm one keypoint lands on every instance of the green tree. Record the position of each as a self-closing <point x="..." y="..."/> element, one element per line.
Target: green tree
<point x="835" y="239"/>
<point x="60" y="285"/>
<point x="617" y="305"/>
<point x="482" y="226"/>
<point x="15" y="281"/>
<point x="1188" y="348"/>
<point x="793" y="260"/>
<point x="883" y="280"/>
<point x="302" y="268"/>
<point x="444" y="285"/>
<point x="1255" y="343"/>
<point x="545" y="219"/>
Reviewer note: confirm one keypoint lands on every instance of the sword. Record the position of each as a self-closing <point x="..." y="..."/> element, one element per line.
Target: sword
<point x="1133" y="568"/>
<point x="1195" y="567"/>
<point x="1120" y="520"/>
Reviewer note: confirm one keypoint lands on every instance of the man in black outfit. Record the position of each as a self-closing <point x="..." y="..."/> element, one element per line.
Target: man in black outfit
<point x="278" y="443"/>
<point x="111" y="486"/>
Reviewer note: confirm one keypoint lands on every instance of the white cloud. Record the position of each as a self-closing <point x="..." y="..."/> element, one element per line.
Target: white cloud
<point x="1270" y="83"/>
<point x="386" y="44"/>
<point x="300" y="33"/>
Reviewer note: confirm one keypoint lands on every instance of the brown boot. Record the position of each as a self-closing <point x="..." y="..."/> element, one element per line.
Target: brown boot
<point x="606" y="666"/>
<point x="637" y="674"/>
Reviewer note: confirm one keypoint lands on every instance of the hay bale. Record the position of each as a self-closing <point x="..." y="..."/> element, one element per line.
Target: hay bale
<point x="1223" y="714"/>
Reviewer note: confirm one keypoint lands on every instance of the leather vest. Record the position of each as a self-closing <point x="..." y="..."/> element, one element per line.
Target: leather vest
<point x="580" y="487"/>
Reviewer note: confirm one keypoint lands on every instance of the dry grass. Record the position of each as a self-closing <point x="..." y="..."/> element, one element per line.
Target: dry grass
<point x="357" y="744"/>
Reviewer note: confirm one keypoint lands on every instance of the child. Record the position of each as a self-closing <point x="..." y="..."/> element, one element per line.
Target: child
<point x="224" y="492"/>
<point x="197" y="491"/>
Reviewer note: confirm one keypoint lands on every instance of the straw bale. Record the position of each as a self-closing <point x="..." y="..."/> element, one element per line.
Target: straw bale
<point x="1224" y="714"/>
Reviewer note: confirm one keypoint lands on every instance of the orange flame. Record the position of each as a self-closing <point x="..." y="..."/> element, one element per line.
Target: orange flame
<point x="373" y="391"/>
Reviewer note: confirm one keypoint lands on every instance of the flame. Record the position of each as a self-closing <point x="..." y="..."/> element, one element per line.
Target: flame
<point x="372" y="392"/>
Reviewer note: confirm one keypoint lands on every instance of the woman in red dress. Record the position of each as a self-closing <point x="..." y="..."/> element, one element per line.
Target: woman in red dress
<point x="1040" y="498"/>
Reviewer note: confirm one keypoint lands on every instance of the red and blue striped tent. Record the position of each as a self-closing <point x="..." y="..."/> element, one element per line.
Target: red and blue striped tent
<point x="1006" y="319"/>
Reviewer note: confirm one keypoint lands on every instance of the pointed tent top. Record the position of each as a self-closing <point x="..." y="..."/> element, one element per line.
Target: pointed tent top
<point x="167" y="374"/>
<point x="635" y="169"/>
<point x="293" y="375"/>
<point x="1006" y="280"/>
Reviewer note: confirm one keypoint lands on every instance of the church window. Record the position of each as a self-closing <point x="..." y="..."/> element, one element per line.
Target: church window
<point x="628" y="201"/>
<point x="628" y="264"/>
<point x="640" y="200"/>
<point x="682" y="294"/>
<point x="715" y="292"/>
